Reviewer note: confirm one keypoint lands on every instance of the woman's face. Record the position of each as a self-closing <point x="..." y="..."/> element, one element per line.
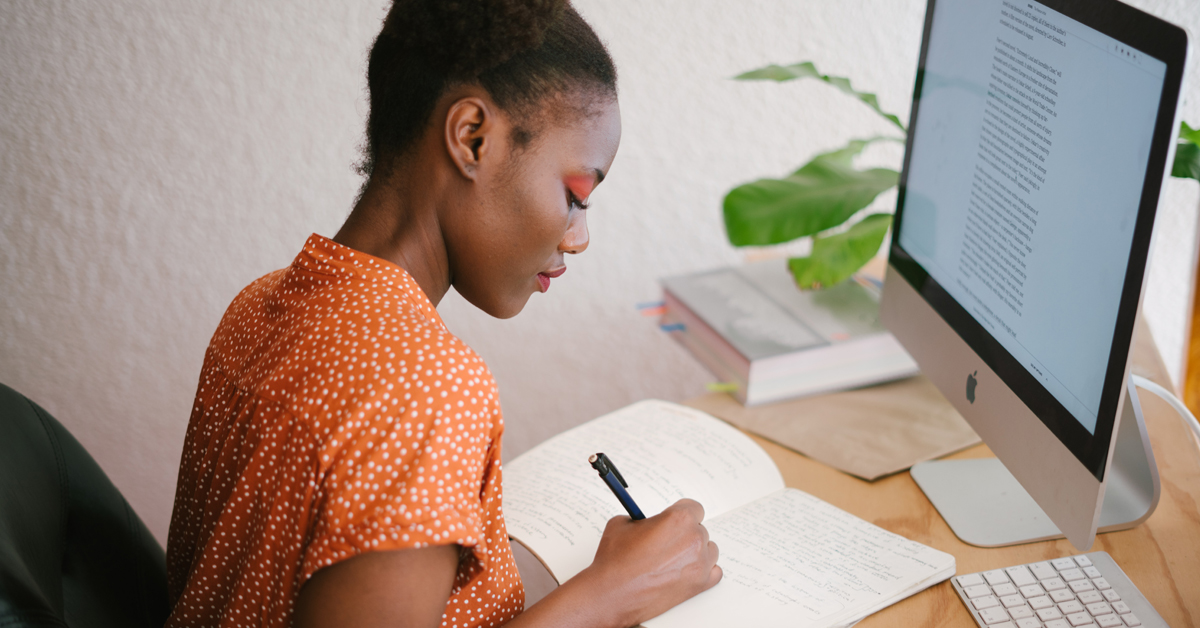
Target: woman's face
<point x="529" y="213"/>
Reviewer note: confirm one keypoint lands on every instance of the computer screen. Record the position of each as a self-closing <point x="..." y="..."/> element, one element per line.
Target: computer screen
<point x="1037" y="148"/>
<point x="1025" y="180"/>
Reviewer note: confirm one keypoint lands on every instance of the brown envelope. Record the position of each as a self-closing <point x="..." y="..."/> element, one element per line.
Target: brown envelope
<point x="868" y="432"/>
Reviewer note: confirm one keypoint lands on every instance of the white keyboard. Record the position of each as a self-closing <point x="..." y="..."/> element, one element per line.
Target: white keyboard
<point x="1084" y="591"/>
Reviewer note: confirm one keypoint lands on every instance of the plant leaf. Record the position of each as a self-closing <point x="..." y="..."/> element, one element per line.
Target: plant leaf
<point x="822" y="194"/>
<point x="836" y="257"/>
<point x="1188" y="133"/>
<point x="1187" y="161"/>
<point x="1187" y="154"/>
<point x="806" y="69"/>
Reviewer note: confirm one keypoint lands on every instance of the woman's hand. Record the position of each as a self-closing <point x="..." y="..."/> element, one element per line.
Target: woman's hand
<point x="641" y="569"/>
<point x="654" y="564"/>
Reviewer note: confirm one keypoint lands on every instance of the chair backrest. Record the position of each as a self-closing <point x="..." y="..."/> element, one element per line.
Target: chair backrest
<point x="72" y="551"/>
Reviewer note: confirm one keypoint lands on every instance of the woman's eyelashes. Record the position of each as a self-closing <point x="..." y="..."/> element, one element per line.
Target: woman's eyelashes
<point x="579" y="188"/>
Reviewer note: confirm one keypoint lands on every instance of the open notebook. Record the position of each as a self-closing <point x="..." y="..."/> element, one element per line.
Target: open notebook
<point x="789" y="558"/>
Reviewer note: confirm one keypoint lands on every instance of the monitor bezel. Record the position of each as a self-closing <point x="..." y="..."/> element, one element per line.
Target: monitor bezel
<point x="1149" y="35"/>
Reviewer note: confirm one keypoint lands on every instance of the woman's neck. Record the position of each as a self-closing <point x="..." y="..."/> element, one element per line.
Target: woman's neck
<point x="397" y="221"/>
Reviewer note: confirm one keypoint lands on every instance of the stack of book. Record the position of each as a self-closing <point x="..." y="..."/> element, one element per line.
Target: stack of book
<point x="753" y="328"/>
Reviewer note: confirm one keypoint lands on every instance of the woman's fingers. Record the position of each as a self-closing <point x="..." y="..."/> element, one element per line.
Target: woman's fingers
<point x="615" y="522"/>
<point x="714" y="577"/>
<point x="716" y="573"/>
<point x="691" y="506"/>
<point x="704" y="534"/>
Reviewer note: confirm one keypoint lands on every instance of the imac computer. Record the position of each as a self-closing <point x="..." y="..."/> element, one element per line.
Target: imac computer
<point x="1039" y="140"/>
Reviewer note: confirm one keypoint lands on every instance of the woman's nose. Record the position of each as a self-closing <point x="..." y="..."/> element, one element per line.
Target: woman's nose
<point x="576" y="238"/>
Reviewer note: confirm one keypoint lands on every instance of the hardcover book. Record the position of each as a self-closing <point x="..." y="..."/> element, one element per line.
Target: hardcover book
<point x="751" y="326"/>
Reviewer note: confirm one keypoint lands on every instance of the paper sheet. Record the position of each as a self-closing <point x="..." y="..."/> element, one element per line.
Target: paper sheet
<point x="791" y="559"/>
<point x="557" y="506"/>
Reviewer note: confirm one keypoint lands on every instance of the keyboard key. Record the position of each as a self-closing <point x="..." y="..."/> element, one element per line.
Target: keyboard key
<point x="1111" y="595"/>
<point x="1131" y="619"/>
<point x="993" y="615"/>
<point x="1079" y="586"/>
<point x="1091" y="597"/>
<point x="1099" y="608"/>
<point x="1071" y="574"/>
<point x="1034" y="590"/>
<point x="1039" y="603"/>
<point x="1101" y="583"/>
<point x="1010" y="601"/>
<point x="1058" y="623"/>
<point x="1046" y="614"/>
<point x="1109" y="621"/>
<point x="1029" y="622"/>
<point x="1070" y="607"/>
<point x="1020" y="576"/>
<point x="1020" y="612"/>
<point x="1063" y="563"/>
<point x="1120" y="607"/>
<point x="1004" y="589"/>
<point x="1079" y="619"/>
<point x="1043" y="570"/>
<point x="978" y="590"/>
<point x="1083" y="561"/>
<point x="1062" y="595"/>
<point x="1003" y="624"/>
<point x="995" y="577"/>
<point x="1091" y="572"/>
<point x="985" y="602"/>
<point x="970" y="580"/>
<point x="1051" y="584"/>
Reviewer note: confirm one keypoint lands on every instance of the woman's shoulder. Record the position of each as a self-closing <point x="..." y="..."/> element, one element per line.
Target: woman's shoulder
<point x="361" y="349"/>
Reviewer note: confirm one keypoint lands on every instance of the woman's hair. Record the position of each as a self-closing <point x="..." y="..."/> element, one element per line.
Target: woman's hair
<point x="520" y="51"/>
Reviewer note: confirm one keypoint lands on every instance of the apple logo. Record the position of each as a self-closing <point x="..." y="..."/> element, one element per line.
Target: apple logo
<point x="971" y="382"/>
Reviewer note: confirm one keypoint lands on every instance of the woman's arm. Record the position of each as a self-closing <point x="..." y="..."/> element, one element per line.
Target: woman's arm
<point x="641" y="569"/>
<point x="400" y="589"/>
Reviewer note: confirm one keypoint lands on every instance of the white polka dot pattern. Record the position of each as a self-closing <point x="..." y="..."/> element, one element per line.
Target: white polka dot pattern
<point x="336" y="415"/>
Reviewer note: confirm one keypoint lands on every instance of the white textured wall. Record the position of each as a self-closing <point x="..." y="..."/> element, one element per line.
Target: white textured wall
<point x="157" y="156"/>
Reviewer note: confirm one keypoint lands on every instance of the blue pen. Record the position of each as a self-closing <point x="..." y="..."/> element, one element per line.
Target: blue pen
<point x="608" y="472"/>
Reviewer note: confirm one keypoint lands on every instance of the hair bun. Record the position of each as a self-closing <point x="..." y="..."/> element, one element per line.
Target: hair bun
<point x="467" y="37"/>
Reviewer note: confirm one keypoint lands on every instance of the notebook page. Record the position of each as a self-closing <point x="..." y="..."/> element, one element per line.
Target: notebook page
<point x="791" y="559"/>
<point x="556" y="505"/>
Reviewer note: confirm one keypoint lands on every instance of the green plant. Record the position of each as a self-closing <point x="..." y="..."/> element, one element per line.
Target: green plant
<point x="817" y="200"/>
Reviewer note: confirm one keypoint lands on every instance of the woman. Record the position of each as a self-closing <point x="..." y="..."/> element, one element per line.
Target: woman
<point x="342" y="461"/>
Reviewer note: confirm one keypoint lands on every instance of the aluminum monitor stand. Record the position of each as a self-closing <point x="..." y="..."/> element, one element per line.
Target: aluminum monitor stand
<point x="985" y="505"/>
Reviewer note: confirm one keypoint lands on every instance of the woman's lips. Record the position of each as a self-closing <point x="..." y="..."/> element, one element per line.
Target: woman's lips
<point x="544" y="278"/>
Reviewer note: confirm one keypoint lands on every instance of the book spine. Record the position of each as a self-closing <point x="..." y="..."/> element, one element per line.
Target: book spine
<point x="713" y="351"/>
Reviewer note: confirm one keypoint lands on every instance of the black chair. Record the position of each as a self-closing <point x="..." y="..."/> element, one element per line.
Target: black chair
<point x="72" y="551"/>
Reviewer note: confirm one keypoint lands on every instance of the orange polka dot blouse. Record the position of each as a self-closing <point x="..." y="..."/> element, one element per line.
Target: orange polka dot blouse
<point x="336" y="415"/>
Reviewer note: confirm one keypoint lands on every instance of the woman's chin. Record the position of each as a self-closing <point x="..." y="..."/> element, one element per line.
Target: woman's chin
<point x="500" y="306"/>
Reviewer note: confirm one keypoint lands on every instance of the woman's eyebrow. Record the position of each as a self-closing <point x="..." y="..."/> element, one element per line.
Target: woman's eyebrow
<point x="599" y="175"/>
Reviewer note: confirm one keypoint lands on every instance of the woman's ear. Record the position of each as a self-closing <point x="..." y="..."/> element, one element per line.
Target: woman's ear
<point x="471" y="132"/>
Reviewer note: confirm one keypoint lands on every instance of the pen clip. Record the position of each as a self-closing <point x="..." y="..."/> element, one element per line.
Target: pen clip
<point x="603" y="465"/>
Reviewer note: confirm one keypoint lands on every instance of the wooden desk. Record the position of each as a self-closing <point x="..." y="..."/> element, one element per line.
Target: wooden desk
<point x="1161" y="556"/>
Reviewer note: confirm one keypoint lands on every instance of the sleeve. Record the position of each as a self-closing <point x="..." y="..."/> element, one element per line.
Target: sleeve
<point x="406" y="464"/>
